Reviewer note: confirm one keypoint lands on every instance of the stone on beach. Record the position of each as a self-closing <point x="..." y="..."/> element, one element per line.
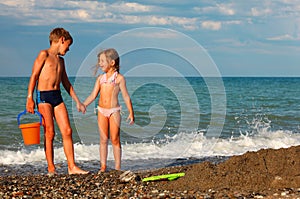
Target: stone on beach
<point x="267" y="173"/>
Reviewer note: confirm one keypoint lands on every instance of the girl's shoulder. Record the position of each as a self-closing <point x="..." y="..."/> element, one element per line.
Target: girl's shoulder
<point x="99" y="77"/>
<point x="120" y="77"/>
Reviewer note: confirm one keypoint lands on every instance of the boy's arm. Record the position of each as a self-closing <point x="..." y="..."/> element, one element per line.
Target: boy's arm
<point x="94" y="93"/>
<point x="127" y="100"/>
<point x="69" y="88"/>
<point x="36" y="69"/>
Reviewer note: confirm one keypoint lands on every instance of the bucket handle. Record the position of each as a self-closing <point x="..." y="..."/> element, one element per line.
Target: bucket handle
<point x="25" y="111"/>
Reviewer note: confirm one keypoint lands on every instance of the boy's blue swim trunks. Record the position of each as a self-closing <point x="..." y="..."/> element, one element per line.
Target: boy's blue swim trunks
<point x="52" y="97"/>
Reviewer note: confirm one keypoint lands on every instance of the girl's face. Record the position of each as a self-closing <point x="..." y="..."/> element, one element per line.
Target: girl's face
<point x="105" y="64"/>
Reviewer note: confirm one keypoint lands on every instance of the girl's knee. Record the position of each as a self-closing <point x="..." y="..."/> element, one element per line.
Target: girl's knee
<point x="104" y="137"/>
<point x="67" y="132"/>
<point x="103" y="141"/>
<point x="115" y="141"/>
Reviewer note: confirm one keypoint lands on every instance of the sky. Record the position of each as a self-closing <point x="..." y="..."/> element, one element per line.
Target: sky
<point x="242" y="38"/>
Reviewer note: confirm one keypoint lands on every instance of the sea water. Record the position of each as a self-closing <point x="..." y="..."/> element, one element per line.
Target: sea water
<point x="177" y="121"/>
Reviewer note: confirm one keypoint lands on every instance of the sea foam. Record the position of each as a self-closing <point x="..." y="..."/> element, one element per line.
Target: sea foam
<point x="181" y="145"/>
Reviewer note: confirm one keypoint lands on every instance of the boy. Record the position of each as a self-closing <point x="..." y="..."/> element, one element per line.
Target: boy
<point x="48" y="72"/>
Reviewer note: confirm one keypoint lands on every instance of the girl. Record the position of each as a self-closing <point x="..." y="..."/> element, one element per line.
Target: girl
<point x="109" y="85"/>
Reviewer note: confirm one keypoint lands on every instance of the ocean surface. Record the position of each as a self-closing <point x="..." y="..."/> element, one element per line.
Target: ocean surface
<point x="178" y="121"/>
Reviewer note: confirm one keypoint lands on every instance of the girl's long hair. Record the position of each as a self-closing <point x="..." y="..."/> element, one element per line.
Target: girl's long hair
<point x="110" y="54"/>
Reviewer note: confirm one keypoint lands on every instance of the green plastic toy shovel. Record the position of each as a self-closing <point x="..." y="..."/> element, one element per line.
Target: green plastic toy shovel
<point x="169" y="177"/>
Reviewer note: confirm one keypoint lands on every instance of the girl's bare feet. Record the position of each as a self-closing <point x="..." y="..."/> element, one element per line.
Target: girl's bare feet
<point x="103" y="168"/>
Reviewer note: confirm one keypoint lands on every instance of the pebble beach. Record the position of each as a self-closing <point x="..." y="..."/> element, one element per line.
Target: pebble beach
<point x="267" y="173"/>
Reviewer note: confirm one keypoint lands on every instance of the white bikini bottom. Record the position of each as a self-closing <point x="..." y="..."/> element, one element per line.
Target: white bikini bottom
<point x="107" y="112"/>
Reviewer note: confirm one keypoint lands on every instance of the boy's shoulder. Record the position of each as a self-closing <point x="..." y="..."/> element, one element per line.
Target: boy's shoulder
<point x="43" y="53"/>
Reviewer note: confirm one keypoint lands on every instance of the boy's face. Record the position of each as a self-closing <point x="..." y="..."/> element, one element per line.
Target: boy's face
<point x="64" y="47"/>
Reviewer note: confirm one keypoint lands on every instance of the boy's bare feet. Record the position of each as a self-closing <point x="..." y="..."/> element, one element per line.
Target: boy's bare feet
<point x="76" y="170"/>
<point x="51" y="169"/>
<point x="50" y="174"/>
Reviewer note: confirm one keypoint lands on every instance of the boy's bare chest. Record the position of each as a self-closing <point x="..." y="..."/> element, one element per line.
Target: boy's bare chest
<point x="52" y="64"/>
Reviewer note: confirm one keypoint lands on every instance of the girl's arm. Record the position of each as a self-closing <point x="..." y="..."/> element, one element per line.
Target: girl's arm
<point x="94" y="93"/>
<point x="127" y="100"/>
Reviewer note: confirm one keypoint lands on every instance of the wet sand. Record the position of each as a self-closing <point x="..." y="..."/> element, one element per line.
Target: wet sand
<point x="267" y="173"/>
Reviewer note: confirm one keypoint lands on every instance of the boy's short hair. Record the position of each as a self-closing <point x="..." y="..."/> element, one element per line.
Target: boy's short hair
<point x="57" y="33"/>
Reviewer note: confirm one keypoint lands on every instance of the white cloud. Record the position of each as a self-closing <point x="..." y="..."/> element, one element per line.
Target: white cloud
<point x="260" y="12"/>
<point x="285" y="37"/>
<point x="233" y="22"/>
<point x="188" y="23"/>
<point x="211" y="25"/>
<point x="160" y="34"/>
<point x="83" y="14"/>
<point x="153" y="20"/>
<point x="18" y="3"/>
<point x="253" y="27"/>
<point x="209" y="15"/>
<point x="132" y="7"/>
<point x="156" y="20"/>
<point x="225" y="9"/>
<point x="35" y="13"/>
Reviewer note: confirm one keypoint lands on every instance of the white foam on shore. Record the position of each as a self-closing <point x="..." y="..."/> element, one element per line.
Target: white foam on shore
<point x="181" y="145"/>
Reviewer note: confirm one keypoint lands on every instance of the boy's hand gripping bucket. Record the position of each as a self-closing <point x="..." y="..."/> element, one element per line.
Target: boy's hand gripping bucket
<point x="30" y="131"/>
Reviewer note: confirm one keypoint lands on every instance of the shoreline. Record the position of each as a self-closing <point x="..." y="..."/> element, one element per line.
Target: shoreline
<point x="93" y="166"/>
<point x="267" y="173"/>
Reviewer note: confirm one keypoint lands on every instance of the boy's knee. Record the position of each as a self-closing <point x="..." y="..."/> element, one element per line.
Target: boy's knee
<point x="49" y="135"/>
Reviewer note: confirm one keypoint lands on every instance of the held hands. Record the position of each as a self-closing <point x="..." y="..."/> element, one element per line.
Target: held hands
<point x="81" y="107"/>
